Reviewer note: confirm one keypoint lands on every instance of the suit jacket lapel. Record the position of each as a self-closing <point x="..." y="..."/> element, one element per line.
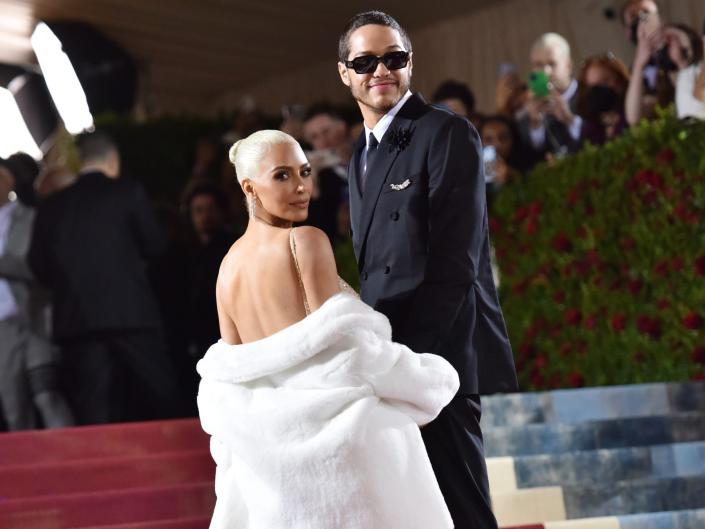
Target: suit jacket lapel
<point x="354" y="189"/>
<point x="378" y="172"/>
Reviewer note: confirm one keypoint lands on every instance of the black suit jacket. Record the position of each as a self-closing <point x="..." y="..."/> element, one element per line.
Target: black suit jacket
<point x="89" y="246"/>
<point x="423" y="250"/>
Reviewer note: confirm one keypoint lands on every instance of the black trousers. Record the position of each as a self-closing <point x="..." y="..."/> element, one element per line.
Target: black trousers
<point x="454" y="445"/>
<point x="118" y="377"/>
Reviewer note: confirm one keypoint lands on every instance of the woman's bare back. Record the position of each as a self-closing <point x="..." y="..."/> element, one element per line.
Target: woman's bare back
<point x="258" y="290"/>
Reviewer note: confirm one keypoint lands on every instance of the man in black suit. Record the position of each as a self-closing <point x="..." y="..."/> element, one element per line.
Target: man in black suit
<point x="551" y="124"/>
<point x="419" y="223"/>
<point x="90" y="244"/>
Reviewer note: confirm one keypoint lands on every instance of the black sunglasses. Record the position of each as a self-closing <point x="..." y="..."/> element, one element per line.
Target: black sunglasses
<point x="394" y="60"/>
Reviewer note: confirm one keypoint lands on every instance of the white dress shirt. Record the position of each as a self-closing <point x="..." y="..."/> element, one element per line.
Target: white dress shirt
<point x="381" y="128"/>
<point x="687" y="105"/>
<point x="8" y="305"/>
<point x="538" y="135"/>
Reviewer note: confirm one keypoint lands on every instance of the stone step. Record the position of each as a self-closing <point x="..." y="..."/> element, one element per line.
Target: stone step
<point x="528" y="506"/>
<point x="688" y="519"/>
<point x="552" y="438"/>
<point x="591" y="404"/>
<point x="596" y="466"/>
<point x="634" y="497"/>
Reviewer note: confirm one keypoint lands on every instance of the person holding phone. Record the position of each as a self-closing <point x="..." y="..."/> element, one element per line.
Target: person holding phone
<point x="549" y="122"/>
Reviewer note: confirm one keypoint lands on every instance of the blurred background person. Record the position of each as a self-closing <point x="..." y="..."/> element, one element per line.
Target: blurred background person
<point x="685" y="47"/>
<point x="89" y="247"/>
<point x="210" y="240"/>
<point x="327" y="133"/>
<point x="651" y="83"/>
<point x="603" y="80"/>
<point x="458" y="98"/>
<point x="52" y="178"/>
<point x="549" y="122"/>
<point x="511" y="93"/>
<point x="29" y="367"/>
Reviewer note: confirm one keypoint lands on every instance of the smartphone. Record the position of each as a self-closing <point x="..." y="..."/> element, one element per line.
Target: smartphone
<point x="489" y="160"/>
<point x="539" y="84"/>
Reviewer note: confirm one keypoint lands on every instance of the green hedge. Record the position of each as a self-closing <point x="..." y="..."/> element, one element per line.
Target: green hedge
<point x="602" y="260"/>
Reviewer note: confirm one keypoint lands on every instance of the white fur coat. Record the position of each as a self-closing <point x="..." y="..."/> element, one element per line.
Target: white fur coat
<point x="317" y="426"/>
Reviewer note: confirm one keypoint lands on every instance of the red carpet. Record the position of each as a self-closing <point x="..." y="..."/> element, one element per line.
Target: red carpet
<point x="153" y="475"/>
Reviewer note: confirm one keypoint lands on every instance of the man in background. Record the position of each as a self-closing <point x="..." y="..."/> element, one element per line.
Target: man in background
<point x="90" y="246"/>
<point x="549" y="122"/>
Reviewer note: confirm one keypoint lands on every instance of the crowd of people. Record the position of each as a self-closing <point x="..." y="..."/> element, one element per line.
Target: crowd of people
<point x="106" y="302"/>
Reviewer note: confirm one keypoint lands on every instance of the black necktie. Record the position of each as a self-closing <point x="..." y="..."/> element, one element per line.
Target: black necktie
<point x="371" y="151"/>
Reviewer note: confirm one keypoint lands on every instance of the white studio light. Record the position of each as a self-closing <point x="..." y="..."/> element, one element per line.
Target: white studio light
<point x="61" y="79"/>
<point x="14" y="134"/>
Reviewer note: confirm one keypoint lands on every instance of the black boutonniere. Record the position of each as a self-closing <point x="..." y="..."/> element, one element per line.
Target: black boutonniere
<point x="399" y="139"/>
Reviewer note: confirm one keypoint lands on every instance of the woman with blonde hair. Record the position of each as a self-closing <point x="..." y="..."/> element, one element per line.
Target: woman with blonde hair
<point x="313" y="411"/>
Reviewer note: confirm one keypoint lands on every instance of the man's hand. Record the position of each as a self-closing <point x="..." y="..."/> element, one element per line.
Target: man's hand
<point x="536" y="109"/>
<point x="559" y="108"/>
<point x="649" y="38"/>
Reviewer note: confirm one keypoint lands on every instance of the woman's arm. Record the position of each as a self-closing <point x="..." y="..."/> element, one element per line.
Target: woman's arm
<point x="633" y="104"/>
<point x="317" y="263"/>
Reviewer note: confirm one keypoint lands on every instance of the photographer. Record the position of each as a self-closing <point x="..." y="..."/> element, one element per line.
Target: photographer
<point x="650" y="83"/>
<point x="549" y="123"/>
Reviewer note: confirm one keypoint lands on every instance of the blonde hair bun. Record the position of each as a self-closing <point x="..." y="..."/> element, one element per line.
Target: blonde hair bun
<point x="247" y="154"/>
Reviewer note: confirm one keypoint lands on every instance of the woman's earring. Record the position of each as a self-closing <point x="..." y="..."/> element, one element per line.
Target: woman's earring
<point x="252" y="202"/>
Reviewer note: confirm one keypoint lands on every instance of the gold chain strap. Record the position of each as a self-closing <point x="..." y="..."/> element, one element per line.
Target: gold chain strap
<point x="292" y="244"/>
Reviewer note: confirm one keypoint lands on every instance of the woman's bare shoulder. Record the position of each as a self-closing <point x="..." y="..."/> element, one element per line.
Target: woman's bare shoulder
<point x="313" y="247"/>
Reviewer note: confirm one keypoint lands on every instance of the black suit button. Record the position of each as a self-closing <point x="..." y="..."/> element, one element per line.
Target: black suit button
<point x="364" y="276"/>
<point x="387" y="269"/>
<point x="394" y="216"/>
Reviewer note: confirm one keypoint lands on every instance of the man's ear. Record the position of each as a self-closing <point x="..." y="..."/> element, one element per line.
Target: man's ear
<point x="344" y="73"/>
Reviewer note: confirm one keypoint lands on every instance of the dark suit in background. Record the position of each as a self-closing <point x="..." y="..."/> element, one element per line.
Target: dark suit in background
<point x="90" y="246"/>
<point x="558" y="139"/>
<point x="424" y="259"/>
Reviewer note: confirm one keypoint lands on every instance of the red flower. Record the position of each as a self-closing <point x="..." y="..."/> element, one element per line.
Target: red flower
<point x="531" y="226"/>
<point x="692" y="321"/>
<point x="565" y="349"/>
<point x="627" y="244"/>
<point x="698" y="355"/>
<point x="494" y="225"/>
<point x="649" y="326"/>
<point x="699" y="266"/>
<point x="677" y="264"/>
<point x="559" y="297"/>
<point x="521" y="213"/>
<point x="573" y="316"/>
<point x="561" y="243"/>
<point x="591" y="322"/>
<point x="540" y="362"/>
<point x="665" y="156"/>
<point x="634" y="286"/>
<point x="535" y="209"/>
<point x="576" y="379"/>
<point x="619" y="322"/>
<point x="661" y="268"/>
<point x="663" y="304"/>
<point x="698" y="377"/>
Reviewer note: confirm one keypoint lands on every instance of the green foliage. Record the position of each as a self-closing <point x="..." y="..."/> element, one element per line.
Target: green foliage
<point x="347" y="264"/>
<point x="602" y="260"/>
